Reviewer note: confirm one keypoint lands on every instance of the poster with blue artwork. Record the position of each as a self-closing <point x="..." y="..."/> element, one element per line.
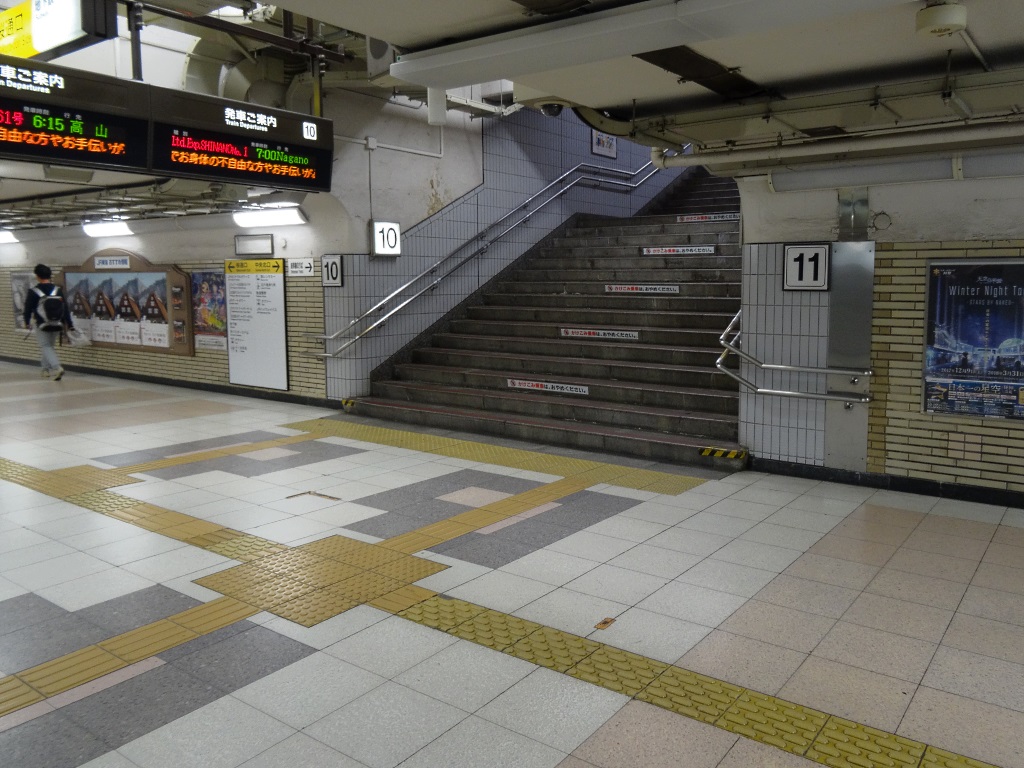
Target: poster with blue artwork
<point x="974" y="339"/>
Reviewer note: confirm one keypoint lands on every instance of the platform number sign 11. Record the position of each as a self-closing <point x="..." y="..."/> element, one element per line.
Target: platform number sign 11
<point x="806" y="267"/>
<point x="387" y="238"/>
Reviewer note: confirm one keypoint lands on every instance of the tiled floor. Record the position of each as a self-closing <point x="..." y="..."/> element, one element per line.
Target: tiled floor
<point x="899" y="612"/>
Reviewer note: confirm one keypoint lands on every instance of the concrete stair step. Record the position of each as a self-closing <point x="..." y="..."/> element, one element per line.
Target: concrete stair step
<point x="531" y="366"/>
<point x="633" y="227"/>
<point x="656" y="446"/>
<point x="614" y="317"/>
<point x="565" y="408"/>
<point x="669" y="396"/>
<point x="534" y="273"/>
<point x="643" y="335"/>
<point x="727" y="251"/>
<point x="674" y="288"/>
<point x="641" y="239"/>
<point x="628" y="260"/>
<point x="643" y="302"/>
<point x="580" y="348"/>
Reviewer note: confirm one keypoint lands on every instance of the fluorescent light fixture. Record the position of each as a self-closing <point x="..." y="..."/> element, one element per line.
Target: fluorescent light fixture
<point x="107" y="229"/>
<point x="272" y="217"/>
<point x="6" y="236"/>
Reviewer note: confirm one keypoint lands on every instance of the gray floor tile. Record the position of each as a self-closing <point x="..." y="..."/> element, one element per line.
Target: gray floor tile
<point x="430" y="510"/>
<point x="137" y="609"/>
<point x="25" y="610"/>
<point x="243" y="658"/>
<point x="205" y="641"/>
<point x="534" y="533"/>
<point x="50" y="741"/>
<point x="138" y="706"/>
<point x="127" y="459"/>
<point x="46" y="641"/>
<point x="386" y="525"/>
<point x="488" y="551"/>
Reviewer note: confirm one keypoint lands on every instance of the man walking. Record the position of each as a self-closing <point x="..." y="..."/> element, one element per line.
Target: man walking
<point x="45" y="303"/>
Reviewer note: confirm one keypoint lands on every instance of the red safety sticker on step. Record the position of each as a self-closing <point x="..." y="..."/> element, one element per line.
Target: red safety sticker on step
<point x="547" y="386"/>
<point x="641" y="289"/>
<point x="676" y="250"/>
<point x="595" y="333"/>
<point x="692" y="217"/>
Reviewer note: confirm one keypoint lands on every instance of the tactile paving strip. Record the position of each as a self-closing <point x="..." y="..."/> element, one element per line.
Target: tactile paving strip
<point x="333" y="546"/>
<point x="214" y="615"/>
<point x="939" y="758"/>
<point x="773" y="721"/>
<point x="553" y="649"/>
<point x="845" y="744"/>
<point x="16" y="694"/>
<point x="312" y="608"/>
<point x="71" y="670"/>
<point x="442" y="613"/>
<point x="148" y="641"/>
<point x="409" y="569"/>
<point x="402" y="598"/>
<point x="494" y="629"/>
<point x="688" y="693"/>
<point x="618" y="670"/>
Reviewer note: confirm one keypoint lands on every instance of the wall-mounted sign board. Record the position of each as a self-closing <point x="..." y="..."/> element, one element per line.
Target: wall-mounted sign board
<point x="332" y="270"/>
<point x="51" y="114"/>
<point x="806" y="267"/>
<point x="257" y="347"/>
<point x="120" y="300"/>
<point x="387" y="238"/>
<point x="46" y="29"/>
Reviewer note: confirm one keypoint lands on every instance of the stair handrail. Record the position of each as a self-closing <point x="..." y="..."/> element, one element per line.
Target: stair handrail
<point x="482" y="249"/>
<point x="733" y="346"/>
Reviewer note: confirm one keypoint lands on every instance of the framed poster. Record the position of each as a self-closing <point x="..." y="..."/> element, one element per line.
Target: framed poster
<point x="974" y="339"/>
<point x="21" y="283"/>
<point x="209" y="310"/>
<point x="603" y="144"/>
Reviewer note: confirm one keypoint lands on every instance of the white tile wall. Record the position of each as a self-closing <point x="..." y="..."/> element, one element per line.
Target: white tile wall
<point x="787" y="328"/>
<point x="522" y="154"/>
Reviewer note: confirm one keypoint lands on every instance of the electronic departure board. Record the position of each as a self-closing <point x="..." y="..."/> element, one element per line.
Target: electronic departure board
<point x="55" y="115"/>
<point x="51" y="114"/>
<point x="245" y="143"/>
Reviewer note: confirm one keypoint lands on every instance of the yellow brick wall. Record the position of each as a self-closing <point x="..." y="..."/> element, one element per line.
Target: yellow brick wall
<point x="304" y="305"/>
<point x="902" y="440"/>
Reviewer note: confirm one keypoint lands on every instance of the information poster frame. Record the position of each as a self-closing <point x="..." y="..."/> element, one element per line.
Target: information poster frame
<point x="973" y="363"/>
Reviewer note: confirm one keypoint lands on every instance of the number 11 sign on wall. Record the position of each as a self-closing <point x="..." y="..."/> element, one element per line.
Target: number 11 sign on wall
<point x="806" y="267"/>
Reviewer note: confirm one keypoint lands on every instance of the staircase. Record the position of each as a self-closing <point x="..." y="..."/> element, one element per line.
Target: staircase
<point x="592" y="343"/>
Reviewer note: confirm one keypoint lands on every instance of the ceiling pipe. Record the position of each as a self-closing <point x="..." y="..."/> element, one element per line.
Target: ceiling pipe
<point x="839" y="149"/>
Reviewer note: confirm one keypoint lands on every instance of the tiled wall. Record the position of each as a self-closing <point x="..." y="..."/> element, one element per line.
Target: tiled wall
<point x="522" y="153"/>
<point x="903" y="440"/>
<point x="787" y="328"/>
<point x="304" y="303"/>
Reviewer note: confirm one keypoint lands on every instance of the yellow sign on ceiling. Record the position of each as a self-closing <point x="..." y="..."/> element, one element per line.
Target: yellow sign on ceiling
<point x="37" y="26"/>
<point x="16" y="31"/>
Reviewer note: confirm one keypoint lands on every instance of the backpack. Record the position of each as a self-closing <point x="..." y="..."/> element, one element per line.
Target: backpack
<point x="50" y="309"/>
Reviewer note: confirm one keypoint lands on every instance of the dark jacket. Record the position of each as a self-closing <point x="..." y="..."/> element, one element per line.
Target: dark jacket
<point x="32" y="305"/>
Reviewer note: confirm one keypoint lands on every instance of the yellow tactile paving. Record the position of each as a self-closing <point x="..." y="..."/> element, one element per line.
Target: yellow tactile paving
<point x="148" y="641"/>
<point x="326" y="572"/>
<point x="939" y="758"/>
<point x="553" y="649"/>
<point x="369" y="556"/>
<point x="845" y="744"/>
<point x="773" y="721"/>
<point x="71" y="670"/>
<point x="365" y="587"/>
<point x="188" y="531"/>
<point x="214" y="615"/>
<point x="312" y="608"/>
<point x="442" y="612"/>
<point x="333" y="546"/>
<point x="494" y="629"/>
<point x="688" y="693"/>
<point x="402" y="598"/>
<point x="245" y="547"/>
<point x="16" y="694"/>
<point x="266" y="594"/>
<point x="415" y="541"/>
<point x="288" y="562"/>
<point x="240" y="577"/>
<point x="618" y="670"/>
<point x="480" y="518"/>
<point x="409" y="569"/>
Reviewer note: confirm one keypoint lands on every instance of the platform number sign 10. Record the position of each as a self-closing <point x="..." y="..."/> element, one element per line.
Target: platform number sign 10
<point x="387" y="238"/>
<point x="331" y="271"/>
<point x="806" y="267"/>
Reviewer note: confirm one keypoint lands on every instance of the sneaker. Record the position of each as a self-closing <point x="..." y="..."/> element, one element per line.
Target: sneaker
<point x="45" y="373"/>
<point x="59" y="374"/>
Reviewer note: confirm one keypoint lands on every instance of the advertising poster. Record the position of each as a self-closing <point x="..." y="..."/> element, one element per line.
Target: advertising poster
<point x="21" y="283"/>
<point x="974" y="343"/>
<point x="209" y="310"/>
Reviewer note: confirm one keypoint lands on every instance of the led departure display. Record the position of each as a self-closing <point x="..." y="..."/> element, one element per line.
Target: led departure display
<point x="245" y="143"/>
<point x="51" y="114"/>
<point x="58" y="134"/>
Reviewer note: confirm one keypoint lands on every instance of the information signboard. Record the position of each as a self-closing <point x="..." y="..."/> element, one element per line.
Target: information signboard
<point x="974" y="350"/>
<point x="257" y="348"/>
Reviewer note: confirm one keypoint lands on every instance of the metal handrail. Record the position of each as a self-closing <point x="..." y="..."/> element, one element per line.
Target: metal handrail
<point x="733" y="346"/>
<point x="481" y="236"/>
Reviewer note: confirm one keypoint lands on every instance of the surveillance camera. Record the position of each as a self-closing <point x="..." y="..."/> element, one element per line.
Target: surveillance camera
<point x="551" y="110"/>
